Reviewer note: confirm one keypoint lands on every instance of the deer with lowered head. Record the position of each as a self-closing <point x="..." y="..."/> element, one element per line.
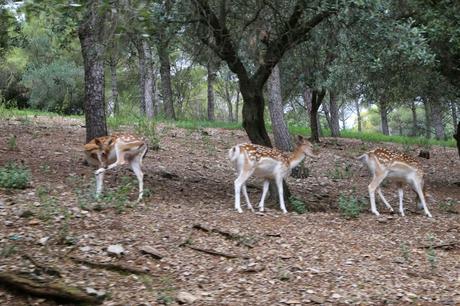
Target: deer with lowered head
<point x="397" y="167"/>
<point x="108" y="152"/>
<point x="267" y="163"/>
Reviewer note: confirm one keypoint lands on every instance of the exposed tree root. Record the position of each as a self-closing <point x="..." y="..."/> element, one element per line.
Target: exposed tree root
<point x="215" y="253"/>
<point x="115" y="267"/>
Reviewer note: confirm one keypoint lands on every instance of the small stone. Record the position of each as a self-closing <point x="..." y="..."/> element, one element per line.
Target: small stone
<point x="184" y="297"/>
<point x="85" y="249"/>
<point x="145" y="249"/>
<point x="34" y="222"/>
<point x="336" y="296"/>
<point x="316" y="299"/>
<point x="43" y="240"/>
<point x="94" y="292"/>
<point x="116" y="249"/>
<point x="293" y="302"/>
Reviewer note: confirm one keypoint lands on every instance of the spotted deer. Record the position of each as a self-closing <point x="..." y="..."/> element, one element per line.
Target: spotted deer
<point x="267" y="163"/>
<point x="108" y="152"/>
<point x="397" y="167"/>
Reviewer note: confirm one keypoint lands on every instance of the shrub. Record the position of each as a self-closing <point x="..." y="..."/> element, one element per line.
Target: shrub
<point x="297" y="205"/>
<point x="350" y="206"/>
<point x="14" y="176"/>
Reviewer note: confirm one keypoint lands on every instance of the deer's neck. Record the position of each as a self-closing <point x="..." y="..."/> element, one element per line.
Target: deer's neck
<point x="296" y="158"/>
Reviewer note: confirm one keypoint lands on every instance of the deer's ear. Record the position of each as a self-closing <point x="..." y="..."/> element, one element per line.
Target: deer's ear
<point x="98" y="142"/>
<point x="299" y="138"/>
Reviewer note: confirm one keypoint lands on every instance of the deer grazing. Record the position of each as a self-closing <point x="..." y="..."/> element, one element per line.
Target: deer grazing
<point x="107" y="152"/>
<point x="266" y="163"/>
<point x="397" y="167"/>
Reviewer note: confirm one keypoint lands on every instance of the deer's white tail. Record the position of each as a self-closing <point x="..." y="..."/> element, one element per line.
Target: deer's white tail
<point x="233" y="153"/>
<point x="363" y="158"/>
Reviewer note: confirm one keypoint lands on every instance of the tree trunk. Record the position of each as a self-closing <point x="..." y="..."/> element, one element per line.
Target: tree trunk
<point x="211" y="100"/>
<point x="253" y="113"/>
<point x="414" y="118"/>
<point x="228" y="99"/>
<point x="384" y="118"/>
<point x="237" y="106"/>
<point x="427" y="105"/>
<point x="317" y="99"/>
<point x="165" y="73"/>
<point x="92" y="49"/>
<point x="457" y="138"/>
<point x="114" y="108"/>
<point x="334" y="115"/>
<point x="148" y="80"/>
<point x="275" y="105"/>
<point x="454" y="114"/>
<point x="138" y="41"/>
<point x="358" y="114"/>
<point x="436" y="115"/>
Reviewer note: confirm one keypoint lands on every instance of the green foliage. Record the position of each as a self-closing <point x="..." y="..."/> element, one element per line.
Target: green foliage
<point x="15" y="176"/>
<point x="146" y="128"/>
<point x="298" y="205"/>
<point x="339" y="172"/>
<point x="12" y="143"/>
<point x="8" y="250"/>
<point x="405" y="251"/>
<point x="56" y="87"/>
<point x="431" y="252"/>
<point x="449" y="206"/>
<point x="350" y="206"/>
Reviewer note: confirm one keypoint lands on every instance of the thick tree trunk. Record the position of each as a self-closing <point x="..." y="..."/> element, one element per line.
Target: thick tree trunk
<point x="427" y="105"/>
<point x="114" y="107"/>
<point x="384" y="118"/>
<point x="275" y="106"/>
<point x="92" y="49"/>
<point x="142" y="72"/>
<point x="334" y="115"/>
<point x="211" y="80"/>
<point x="358" y="114"/>
<point x="165" y="73"/>
<point x="317" y="99"/>
<point x="253" y="113"/>
<point x="414" y="118"/>
<point x="436" y="116"/>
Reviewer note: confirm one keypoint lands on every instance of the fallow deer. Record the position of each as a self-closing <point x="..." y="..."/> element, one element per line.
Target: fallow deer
<point x="397" y="167"/>
<point x="107" y="152"/>
<point x="266" y="163"/>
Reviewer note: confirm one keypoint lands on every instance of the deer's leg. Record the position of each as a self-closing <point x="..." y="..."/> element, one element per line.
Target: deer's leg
<point x="99" y="183"/>
<point x="264" y="194"/>
<point x="375" y="183"/>
<point x="136" y="166"/>
<point x="401" y="195"/>
<point x="245" y="193"/>
<point x="418" y="187"/>
<point x="279" y="184"/>
<point x="239" y="182"/>
<point x="120" y="160"/>
<point x="379" y="191"/>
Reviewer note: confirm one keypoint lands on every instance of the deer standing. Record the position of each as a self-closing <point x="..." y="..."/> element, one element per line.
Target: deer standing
<point x="266" y="163"/>
<point x="398" y="167"/>
<point x="107" y="152"/>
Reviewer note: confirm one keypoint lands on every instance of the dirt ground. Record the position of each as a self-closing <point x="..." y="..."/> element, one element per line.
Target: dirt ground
<point x="318" y="257"/>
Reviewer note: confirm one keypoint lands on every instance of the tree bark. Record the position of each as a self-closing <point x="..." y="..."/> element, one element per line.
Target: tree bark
<point x="453" y="107"/>
<point x="211" y="97"/>
<point x="358" y="114"/>
<point x="334" y="115"/>
<point x="384" y="118"/>
<point x="275" y="106"/>
<point x="436" y="116"/>
<point x="90" y="34"/>
<point x="142" y="72"/>
<point x="457" y="138"/>
<point x="149" y="80"/>
<point x="427" y="105"/>
<point x="228" y="99"/>
<point x="165" y="74"/>
<point x="414" y="118"/>
<point x="317" y="99"/>
<point x="237" y="106"/>
<point x="114" y="107"/>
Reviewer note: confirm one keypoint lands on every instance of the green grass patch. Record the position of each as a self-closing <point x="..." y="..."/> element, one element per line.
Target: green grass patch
<point x="14" y="176"/>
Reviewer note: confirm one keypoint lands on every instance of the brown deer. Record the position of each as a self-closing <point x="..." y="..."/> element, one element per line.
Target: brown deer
<point x="397" y="167"/>
<point x="107" y="152"/>
<point x="250" y="159"/>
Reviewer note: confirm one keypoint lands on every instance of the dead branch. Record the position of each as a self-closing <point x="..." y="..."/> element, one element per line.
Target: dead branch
<point x="445" y="246"/>
<point x="228" y="235"/>
<point x="54" y="290"/>
<point x="45" y="269"/>
<point x="215" y="253"/>
<point x="115" y="267"/>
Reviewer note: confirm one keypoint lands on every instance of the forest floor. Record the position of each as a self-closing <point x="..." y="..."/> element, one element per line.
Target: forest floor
<point x="56" y="230"/>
